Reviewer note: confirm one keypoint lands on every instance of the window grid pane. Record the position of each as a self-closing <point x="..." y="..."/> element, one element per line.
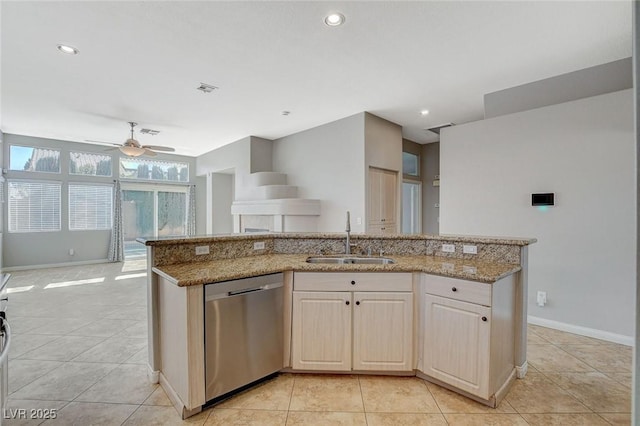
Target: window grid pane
<point x="89" y="164"/>
<point x="131" y="168"/>
<point x="34" y="207"/>
<point x="32" y="159"/>
<point x="90" y="207"/>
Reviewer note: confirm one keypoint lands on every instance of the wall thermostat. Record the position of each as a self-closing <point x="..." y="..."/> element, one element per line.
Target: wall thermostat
<point x="544" y="199"/>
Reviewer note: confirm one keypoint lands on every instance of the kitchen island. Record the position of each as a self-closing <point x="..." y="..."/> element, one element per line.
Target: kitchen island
<point x="431" y="296"/>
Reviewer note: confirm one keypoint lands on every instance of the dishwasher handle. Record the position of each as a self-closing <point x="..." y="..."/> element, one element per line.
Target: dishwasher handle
<point x="247" y="290"/>
<point x="6" y="331"/>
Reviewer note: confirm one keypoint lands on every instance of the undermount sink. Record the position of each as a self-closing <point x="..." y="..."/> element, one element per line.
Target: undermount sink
<point x="351" y="260"/>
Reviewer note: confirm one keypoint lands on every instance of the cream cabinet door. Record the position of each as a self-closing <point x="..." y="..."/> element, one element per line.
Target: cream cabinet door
<point x="383" y="331"/>
<point x="456" y="344"/>
<point x="383" y="201"/>
<point x="321" y="330"/>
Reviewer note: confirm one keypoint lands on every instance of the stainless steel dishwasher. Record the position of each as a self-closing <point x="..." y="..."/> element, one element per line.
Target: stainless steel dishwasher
<point x="243" y="326"/>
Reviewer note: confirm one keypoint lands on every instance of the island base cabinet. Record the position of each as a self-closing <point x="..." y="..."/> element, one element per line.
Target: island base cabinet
<point x="457" y="345"/>
<point x="382" y="331"/>
<point x="321" y="331"/>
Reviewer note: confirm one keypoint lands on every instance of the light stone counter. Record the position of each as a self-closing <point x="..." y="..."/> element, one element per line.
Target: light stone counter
<point x="197" y="273"/>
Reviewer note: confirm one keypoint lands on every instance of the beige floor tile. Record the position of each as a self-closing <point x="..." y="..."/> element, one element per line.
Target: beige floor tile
<point x="104" y="328"/>
<point x="396" y="394"/>
<point x="550" y="358"/>
<point x="61" y="325"/>
<point x="23" y="372"/>
<point x="139" y="330"/>
<point x="558" y="337"/>
<point x="595" y="390"/>
<point x="574" y="419"/>
<point x="63" y="349"/>
<point x="485" y="419"/>
<point x="604" y="358"/>
<point x="140" y="357"/>
<point x="405" y="419"/>
<point x="163" y="416"/>
<point x="325" y="418"/>
<point x="115" y="349"/>
<point x="451" y="402"/>
<point x="20" y="325"/>
<point x="95" y="414"/>
<point x="618" y="419"/>
<point x="537" y="394"/>
<point x="625" y="379"/>
<point x="158" y="398"/>
<point x="326" y="393"/>
<point x="64" y="383"/>
<point x="126" y="384"/>
<point x="23" y="343"/>
<point x="138" y="313"/>
<point x="232" y="417"/>
<point x="274" y="394"/>
<point x="534" y="339"/>
<point x="23" y="412"/>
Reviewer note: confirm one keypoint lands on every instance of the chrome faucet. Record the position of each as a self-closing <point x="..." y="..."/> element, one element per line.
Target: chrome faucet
<point x="347" y="245"/>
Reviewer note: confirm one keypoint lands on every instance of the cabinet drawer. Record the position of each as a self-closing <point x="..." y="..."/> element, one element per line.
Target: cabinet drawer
<point x="352" y="281"/>
<point x="466" y="291"/>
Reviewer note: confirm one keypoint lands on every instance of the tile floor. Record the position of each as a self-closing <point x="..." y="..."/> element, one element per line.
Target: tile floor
<point x="80" y="347"/>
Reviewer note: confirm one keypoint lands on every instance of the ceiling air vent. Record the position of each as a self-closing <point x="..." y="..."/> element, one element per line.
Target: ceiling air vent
<point x="206" y="88"/>
<point x="437" y="129"/>
<point x="149" y="132"/>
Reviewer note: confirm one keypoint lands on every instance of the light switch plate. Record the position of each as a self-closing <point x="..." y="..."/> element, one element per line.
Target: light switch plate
<point x="448" y="248"/>
<point x="258" y="245"/>
<point x="469" y="249"/>
<point x="202" y="250"/>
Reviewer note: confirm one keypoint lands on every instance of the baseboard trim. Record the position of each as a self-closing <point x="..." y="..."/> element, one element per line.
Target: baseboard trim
<point x="53" y="265"/>
<point x="583" y="331"/>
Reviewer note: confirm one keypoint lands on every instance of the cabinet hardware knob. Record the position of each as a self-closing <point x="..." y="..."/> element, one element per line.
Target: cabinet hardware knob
<point x="347" y="302"/>
<point x="358" y="303"/>
<point x="353" y="283"/>
<point x="454" y="289"/>
<point x="484" y="319"/>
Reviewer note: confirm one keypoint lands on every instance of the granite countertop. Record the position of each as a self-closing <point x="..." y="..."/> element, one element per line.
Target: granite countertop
<point x="186" y="274"/>
<point x="335" y="235"/>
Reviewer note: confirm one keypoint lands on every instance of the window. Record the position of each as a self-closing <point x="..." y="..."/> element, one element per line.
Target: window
<point x="34" y="206"/>
<point x="30" y="159"/>
<point x="84" y="163"/>
<point x="134" y="168"/>
<point x="411" y="216"/>
<point x="410" y="164"/>
<point x="90" y="207"/>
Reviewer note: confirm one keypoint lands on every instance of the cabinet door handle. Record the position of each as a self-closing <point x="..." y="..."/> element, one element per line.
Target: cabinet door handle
<point x="347" y="302"/>
<point x="353" y="283"/>
<point x="484" y="319"/>
<point x="357" y="302"/>
<point x="454" y="289"/>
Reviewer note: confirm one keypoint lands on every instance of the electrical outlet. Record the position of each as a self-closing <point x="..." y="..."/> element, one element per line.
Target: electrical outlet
<point x="358" y="221"/>
<point x="72" y="252"/>
<point x="202" y="250"/>
<point x="448" y="248"/>
<point x="469" y="269"/>
<point x="469" y="249"/>
<point x="258" y="245"/>
<point x="541" y="298"/>
<point x="449" y="267"/>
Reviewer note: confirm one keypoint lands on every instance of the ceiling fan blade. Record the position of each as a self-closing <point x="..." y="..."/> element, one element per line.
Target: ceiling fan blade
<point x="149" y="152"/>
<point x="102" y="142"/>
<point x="159" y="148"/>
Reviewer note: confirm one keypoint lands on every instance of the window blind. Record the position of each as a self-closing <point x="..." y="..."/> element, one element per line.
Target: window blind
<point x="90" y="207"/>
<point x="34" y="206"/>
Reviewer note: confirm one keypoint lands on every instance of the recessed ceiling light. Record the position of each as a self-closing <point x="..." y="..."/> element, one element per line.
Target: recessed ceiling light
<point x="334" y="19"/>
<point x="424" y="112"/>
<point x="69" y="50"/>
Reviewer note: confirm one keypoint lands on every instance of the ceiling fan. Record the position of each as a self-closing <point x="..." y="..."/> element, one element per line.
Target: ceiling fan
<point x="132" y="147"/>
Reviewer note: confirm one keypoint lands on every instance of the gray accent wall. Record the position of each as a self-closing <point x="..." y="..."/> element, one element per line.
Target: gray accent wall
<point x="593" y="81"/>
<point x="24" y="250"/>
<point x="430" y="167"/>
<point x="583" y="151"/>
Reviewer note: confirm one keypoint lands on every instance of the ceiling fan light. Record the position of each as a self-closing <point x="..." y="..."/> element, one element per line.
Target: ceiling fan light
<point x="132" y="151"/>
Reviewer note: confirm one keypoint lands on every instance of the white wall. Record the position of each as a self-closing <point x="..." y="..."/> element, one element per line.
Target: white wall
<point x="584" y="152"/>
<point x="327" y="163"/>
